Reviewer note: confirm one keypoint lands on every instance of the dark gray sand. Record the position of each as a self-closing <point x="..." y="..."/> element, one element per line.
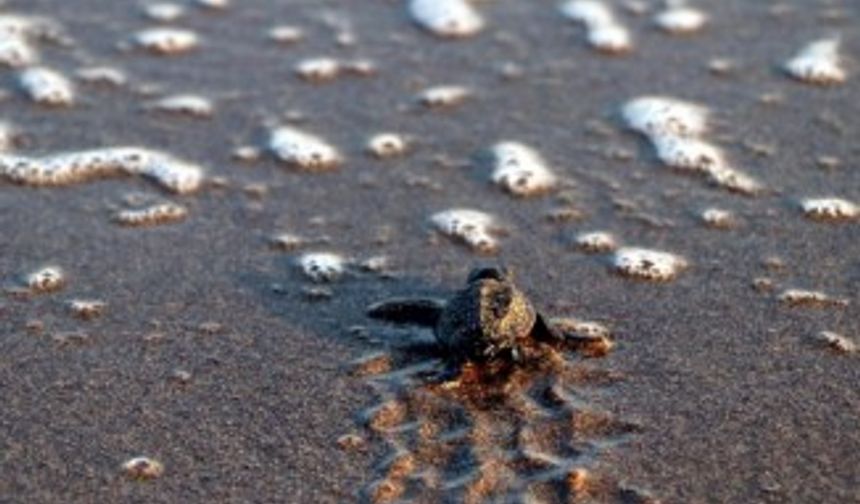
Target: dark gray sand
<point x="734" y="399"/>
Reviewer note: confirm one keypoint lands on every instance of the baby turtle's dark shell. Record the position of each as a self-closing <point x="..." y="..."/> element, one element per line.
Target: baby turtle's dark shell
<point x="486" y="319"/>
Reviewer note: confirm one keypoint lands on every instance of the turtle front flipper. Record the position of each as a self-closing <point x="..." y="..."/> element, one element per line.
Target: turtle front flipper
<point x="545" y="332"/>
<point x="418" y="311"/>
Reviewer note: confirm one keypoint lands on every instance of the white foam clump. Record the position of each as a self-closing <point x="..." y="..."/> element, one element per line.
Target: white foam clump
<point x="47" y="87"/>
<point x="8" y="133"/>
<point x="322" y="266"/>
<point x="818" y="63"/>
<point x="185" y="104"/>
<point x="674" y="128"/>
<point x="647" y="264"/>
<point x="87" y="308"/>
<point x="285" y="34"/>
<point x="472" y="227"/>
<point x="443" y="96"/>
<point x="520" y="170"/>
<point x="717" y="218"/>
<point x="102" y="75"/>
<point x="387" y="145"/>
<point x="288" y="241"/>
<point x="805" y="297"/>
<point x="605" y="33"/>
<point x="303" y="150"/>
<point x="46" y="279"/>
<point x="16" y="32"/>
<point x="581" y="328"/>
<point x="164" y="12"/>
<point x="664" y="116"/>
<point x="679" y="19"/>
<point x="143" y="468"/>
<point x="326" y="69"/>
<point x="154" y="215"/>
<point x="76" y="167"/>
<point x="446" y="18"/>
<point x="838" y="342"/>
<point x="213" y="4"/>
<point x="832" y="209"/>
<point x="166" y="41"/>
<point x="318" y="69"/>
<point x="596" y="242"/>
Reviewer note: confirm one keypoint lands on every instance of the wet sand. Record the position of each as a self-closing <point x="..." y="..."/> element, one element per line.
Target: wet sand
<point x="735" y="400"/>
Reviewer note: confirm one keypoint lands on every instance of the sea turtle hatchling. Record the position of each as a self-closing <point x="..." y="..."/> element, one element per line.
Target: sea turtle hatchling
<point x="488" y="320"/>
<point x="499" y="385"/>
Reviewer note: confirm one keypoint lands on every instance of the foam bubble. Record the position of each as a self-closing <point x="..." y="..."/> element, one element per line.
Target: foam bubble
<point x="520" y="170"/>
<point x="635" y="7"/>
<point x="605" y="33"/>
<point x="163" y="12"/>
<point x="688" y="153"/>
<point x="664" y="116"/>
<point x="87" y="308"/>
<point x="564" y="213"/>
<point x="721" y="66"/>
<point x="77" y="167"/>
<point x="826" y="162"/>
<point x="837" y="342"/>
<point x="318" y="69"/>
<point x="734" y="180"/>
<point x="818" y="63"/>
<point x="596" y="242"/>
<point x="185" y="104"/>
<point x="647" y="264"/>
<point x="213" y="4"/>
<point x="804" y="297"/>
<point x="180" y="377"/>
<point x="102" y="75"/>
<point x="16" y="52"/>
<point x="8" y="134"/>
<point x="678" y="19"/>
<point x="303" y="150"/>
<point x="444" y="96"/>
<point x="288" y="241"/>
<point x="717" y="218"/>
<point x="47" y="87"/>
<point x="142" y="468"/>
<point x="376" y="264"/>
<point x="246" y="153"/>
<point x="153" y="215"/>
<point x="583" y="328"/>
<point x="674" y="127"/>
<point x="472" y="227"/>
<point x="285" y="34"/>
<point x="387" y="145"/>
<point x="45" y="279"/>
<point x="590" y="12"/>
<point x="351" y="442"/>
<point x="829" y="209"/>
<point x="359" y="67"/>
<point x="588" y="338"/>
<point x="322" y="266"/>
<point x="166" y="41"/>
<point x="446" y="18"/>
<point x="16" y="49"/>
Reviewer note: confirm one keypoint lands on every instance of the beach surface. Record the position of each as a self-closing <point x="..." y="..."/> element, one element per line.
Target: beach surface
<point x="216" y="354"/>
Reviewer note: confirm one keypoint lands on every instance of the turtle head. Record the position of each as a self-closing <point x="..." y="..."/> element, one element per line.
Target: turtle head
<point x="498" y="273"/>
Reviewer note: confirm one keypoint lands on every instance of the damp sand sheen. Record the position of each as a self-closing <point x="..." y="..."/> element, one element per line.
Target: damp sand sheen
<point x="201" y="198"/>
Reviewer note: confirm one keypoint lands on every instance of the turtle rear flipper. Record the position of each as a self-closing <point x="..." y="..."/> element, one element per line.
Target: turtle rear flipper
<point x="418" y="311"/>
